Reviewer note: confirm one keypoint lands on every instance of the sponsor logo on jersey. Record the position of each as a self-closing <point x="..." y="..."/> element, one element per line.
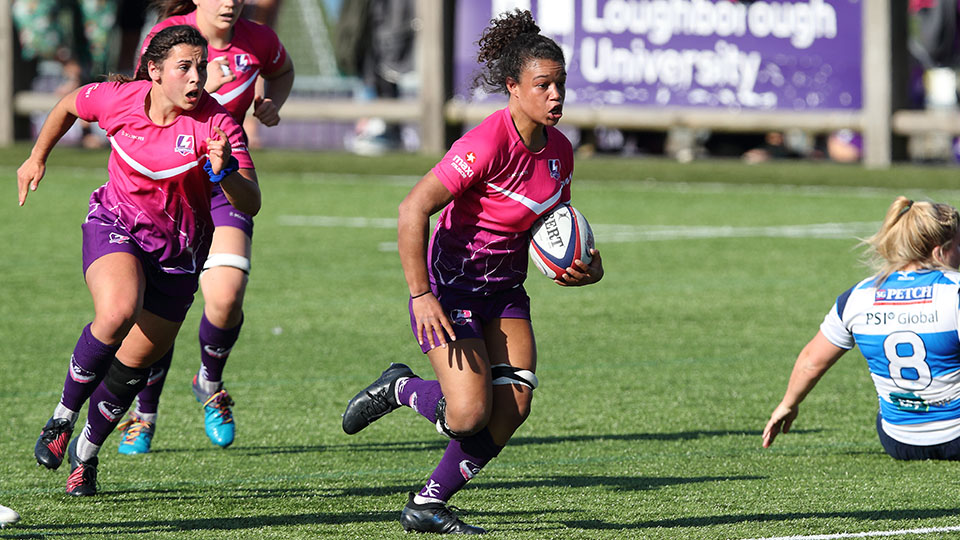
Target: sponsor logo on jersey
<point x="184" y="145"/>
<point x="468" y="469"/>
<point x="909" y="402"/>
<point x="554" y="166"/>
<point x="462" y="167"/>
<point x="242" y="62"/>
<point x="116" y="238"/>
<point x="217" y="352"/>
<point x="471" y="157"/>
<point x="110" y="411"/>
<point x="79" y="374"/>
<point x="90" y="89"/>
<point x="461" y="316"/>
<point x="906" y="295"/>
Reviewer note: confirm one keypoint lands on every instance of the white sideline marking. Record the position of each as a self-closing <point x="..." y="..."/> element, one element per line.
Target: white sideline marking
<point x="335" y="221"/>
<point x="635" y="233"/>
<point x="868" y="534"/>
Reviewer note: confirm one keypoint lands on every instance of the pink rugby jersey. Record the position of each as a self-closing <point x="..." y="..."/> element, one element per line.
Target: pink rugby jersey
<point x="254" y="49"/>
<point x="157" y="188"/>
<point x="500" y="188"/>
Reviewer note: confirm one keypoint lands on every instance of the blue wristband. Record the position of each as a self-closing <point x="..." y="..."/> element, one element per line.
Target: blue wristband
<point x="231" y="167"/>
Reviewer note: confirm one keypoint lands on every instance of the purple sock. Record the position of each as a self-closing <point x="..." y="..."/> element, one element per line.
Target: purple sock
<point x="148" y="400"/>
<point x="89" y="362"/>
<point x="104" y="413"/>
<point x="421" y="396"/>
<point x="215" y="346"/>
<point x="462" y="460"/>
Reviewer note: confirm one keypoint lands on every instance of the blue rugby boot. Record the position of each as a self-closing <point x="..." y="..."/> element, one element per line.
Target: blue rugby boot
<point x="434" y="518"/>
<point x="217" y="416"/>
<point x="375" y="400"/>
<point x="137" y="435"/>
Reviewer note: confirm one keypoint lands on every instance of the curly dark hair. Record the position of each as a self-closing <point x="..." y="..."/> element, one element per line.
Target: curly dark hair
<point x="512" y="40"/>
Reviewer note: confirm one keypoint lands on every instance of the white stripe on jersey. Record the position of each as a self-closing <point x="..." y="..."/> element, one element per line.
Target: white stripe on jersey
<point x="153" y="175"/>
<point x="534" y="206"/>
<point x="232" y="95"/>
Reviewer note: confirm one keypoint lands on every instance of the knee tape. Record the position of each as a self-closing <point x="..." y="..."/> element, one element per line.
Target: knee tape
<point x="124" y="381"/>
<point x="507" y="374"/>
<point x="442" y="426"/>
<point x="227" y="259"/>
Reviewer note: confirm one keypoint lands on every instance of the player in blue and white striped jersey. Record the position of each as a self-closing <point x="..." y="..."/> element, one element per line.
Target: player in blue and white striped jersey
<point x="905" y="320"/>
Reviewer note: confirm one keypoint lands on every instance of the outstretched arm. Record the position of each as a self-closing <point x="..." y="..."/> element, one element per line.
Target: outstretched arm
<point x="60" y="119"/>
<point x="814" y="360"/>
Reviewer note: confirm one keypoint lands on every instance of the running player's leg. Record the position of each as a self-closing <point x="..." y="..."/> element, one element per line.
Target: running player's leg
<point x="149" y="339"/>
<point x="513" y="355"/>
<point x="223" y="283"/>
<point x="138" y="429"/>
<point x="116" y="283"/>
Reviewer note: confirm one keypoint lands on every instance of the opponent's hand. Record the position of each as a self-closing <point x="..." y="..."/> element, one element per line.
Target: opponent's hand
<point x="265" y="110"/>
<point x="780" y="421"/>
<point x="28" y="177"/>
<point x="218" y="74"/>
<point x="431" y="321"/>
<point x="218" y="150"/>
<point x="581" y="273"/>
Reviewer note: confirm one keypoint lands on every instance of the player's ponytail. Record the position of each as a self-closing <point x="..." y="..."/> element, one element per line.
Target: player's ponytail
<point x="511" y="40"/>
<point x="909" y="233"/>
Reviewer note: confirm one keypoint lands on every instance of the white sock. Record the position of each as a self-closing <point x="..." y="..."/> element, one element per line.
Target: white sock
<point x="417" y="499"/>
<point x="63" y="412"/>
<point x="210" y="387"/>
<point x="86" y="450"/>
<point x="150" y="418"/>
<point x="397" y="386"/>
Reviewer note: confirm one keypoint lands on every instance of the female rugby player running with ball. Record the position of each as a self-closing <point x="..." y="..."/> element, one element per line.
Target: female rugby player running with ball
<point x="905" y="319"/>
<point x="468" y="308"/>
<point x="240" y="52"/>
<point x="146" y="235"/>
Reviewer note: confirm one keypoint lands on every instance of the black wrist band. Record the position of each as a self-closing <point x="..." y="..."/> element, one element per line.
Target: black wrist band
<point x="421" y="294"/>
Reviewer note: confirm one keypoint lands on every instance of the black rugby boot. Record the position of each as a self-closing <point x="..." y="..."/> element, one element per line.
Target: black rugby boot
<point x="434" y="518"/>
<point x="375" y="400"/>
<point x="52" y="443"/>
<point x="82" y="481"/>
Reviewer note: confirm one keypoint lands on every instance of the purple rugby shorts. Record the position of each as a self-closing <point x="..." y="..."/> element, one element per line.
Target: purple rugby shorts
<point x="167" y="295"/>
<point x="469" y="311"/>
<point x="225" y="215"/>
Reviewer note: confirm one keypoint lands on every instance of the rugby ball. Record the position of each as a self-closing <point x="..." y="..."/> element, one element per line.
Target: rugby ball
<point x="559" y="237"/>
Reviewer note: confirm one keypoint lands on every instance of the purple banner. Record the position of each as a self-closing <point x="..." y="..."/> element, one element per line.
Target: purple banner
<point x="739" y="55"/>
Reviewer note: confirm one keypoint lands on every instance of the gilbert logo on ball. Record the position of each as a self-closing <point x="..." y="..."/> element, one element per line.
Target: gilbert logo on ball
<point x="559" y="237"/>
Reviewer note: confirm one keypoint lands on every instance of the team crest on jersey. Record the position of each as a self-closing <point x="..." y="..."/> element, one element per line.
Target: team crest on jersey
<point x="461" y="316"/>
<point x="554" y="166"/>
<point x="184" y="145"/>
<point x="906" y="295"/>
<point x="241" y="63"/>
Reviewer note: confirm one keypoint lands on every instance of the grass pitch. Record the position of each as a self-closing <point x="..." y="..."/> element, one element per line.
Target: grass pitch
<point x="656" y="382"/>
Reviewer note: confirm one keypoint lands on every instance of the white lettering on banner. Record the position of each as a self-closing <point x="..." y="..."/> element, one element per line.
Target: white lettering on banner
<point x="725" y="65"/>
<point x="659" y="20"/>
